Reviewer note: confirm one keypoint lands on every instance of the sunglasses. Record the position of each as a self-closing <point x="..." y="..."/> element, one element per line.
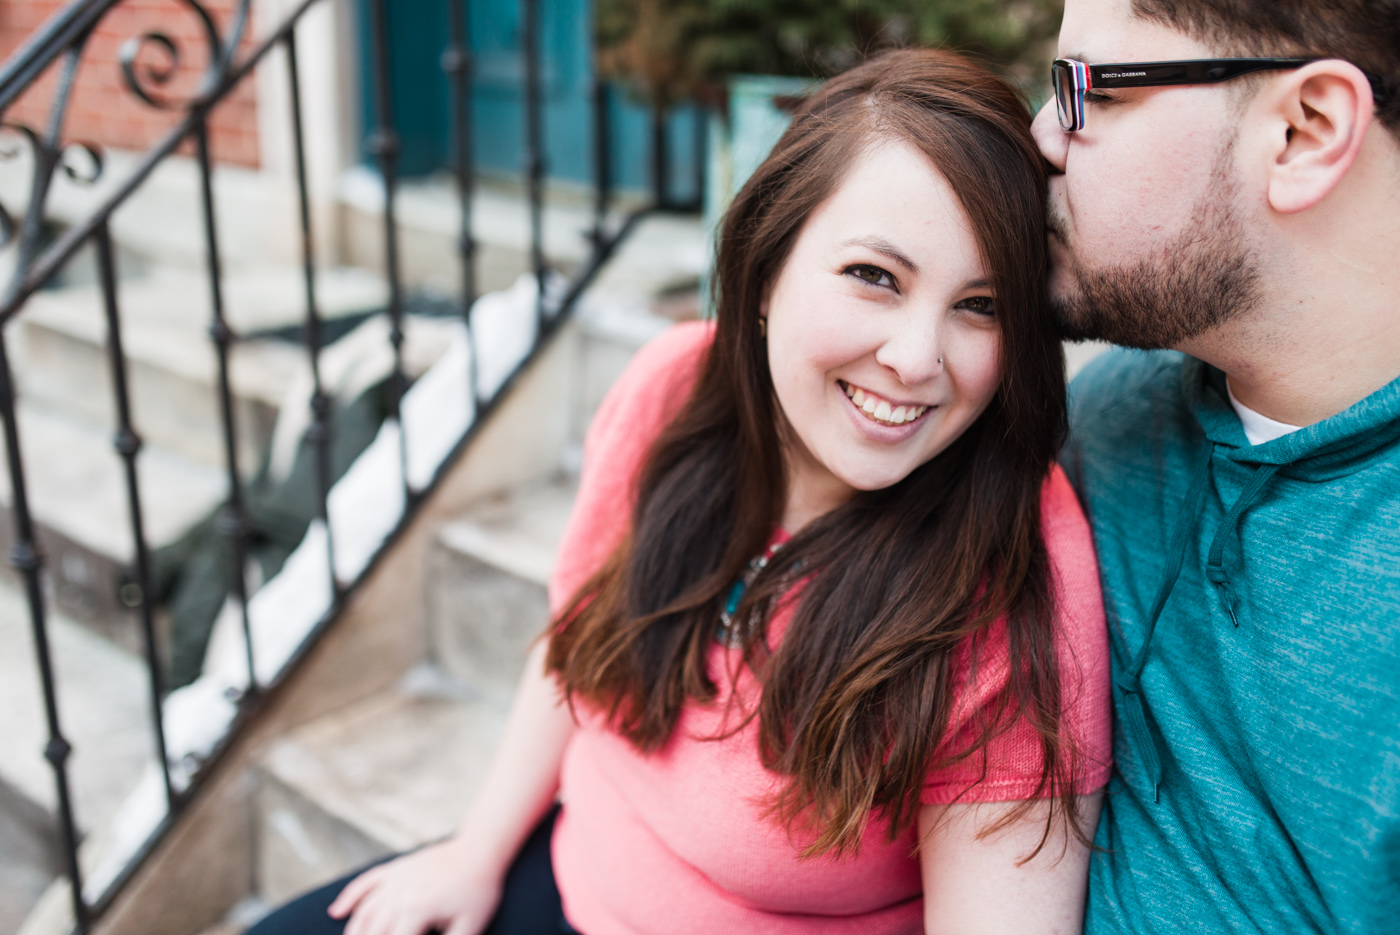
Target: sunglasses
<point x="1073" y="78"/>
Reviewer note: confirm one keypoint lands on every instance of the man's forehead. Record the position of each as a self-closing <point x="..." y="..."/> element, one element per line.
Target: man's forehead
<point x="1107" y="31"/>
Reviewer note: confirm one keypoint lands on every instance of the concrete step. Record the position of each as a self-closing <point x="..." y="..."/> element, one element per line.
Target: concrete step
<point x="240" y="918"/>
<point x="386" y="775"/>
<point x="61" y="359"/>
<point x="29" y="856"/>
<point x="78" y="496"/>
<point x="485" y="578"/>
<point x="670" y="248"/>
<point x="612" y="327"/>
<point x="104" y="711"/>
<point x="396" y="771"/>
<point x="224" y="928"/>
<point x="429" y="219"/>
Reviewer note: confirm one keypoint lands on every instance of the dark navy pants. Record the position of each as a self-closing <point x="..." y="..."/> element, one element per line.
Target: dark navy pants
<point x="529" y="901"/>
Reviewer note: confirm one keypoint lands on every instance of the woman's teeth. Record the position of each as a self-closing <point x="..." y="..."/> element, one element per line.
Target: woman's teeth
<point x="881" y="410"/>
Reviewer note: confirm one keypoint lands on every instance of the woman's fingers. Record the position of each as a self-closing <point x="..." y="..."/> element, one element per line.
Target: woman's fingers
<point x="361" y="922"/>
<point x="462" y="926"/>
<point x="354" y="891"/>
<point x="377" y="910"/>
<point x="414" y="895"/>
<point x="410" y="924"/>
<point x="376" y="915"/>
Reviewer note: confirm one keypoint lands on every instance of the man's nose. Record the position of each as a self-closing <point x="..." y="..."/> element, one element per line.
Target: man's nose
<point x="1050" y="136"/>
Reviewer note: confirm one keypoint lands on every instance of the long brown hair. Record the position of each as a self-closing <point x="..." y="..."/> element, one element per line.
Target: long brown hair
<point x="857" y="695"/>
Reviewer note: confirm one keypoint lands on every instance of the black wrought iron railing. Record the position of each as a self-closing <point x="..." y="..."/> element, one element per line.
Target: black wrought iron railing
<point x="232" y="57"/>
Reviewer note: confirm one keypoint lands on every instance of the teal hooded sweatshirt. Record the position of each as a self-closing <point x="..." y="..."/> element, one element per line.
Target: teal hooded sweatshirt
<point x="1253" y="598"/>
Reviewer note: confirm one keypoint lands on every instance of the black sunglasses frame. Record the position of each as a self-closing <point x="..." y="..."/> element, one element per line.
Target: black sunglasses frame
<point x="1072" y="78"/>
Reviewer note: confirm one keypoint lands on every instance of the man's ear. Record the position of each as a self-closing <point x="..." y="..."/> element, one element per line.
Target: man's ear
<point x="1323" y="110"/>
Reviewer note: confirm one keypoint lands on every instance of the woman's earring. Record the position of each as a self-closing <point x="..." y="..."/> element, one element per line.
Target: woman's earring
<point x="763" y="331"/>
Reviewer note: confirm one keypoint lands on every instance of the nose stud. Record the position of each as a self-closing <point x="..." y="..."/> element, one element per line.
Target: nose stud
<point x="940" y="360"/>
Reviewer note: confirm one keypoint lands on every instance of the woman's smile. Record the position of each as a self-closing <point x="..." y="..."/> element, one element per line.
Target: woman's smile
<point x="880" y="410"/>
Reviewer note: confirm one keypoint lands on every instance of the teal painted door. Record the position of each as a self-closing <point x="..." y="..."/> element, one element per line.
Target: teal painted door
<point x="417" y="38"/>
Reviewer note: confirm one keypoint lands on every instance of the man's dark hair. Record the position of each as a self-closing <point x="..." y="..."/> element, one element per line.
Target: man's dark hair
<point x="1364" y="32"/>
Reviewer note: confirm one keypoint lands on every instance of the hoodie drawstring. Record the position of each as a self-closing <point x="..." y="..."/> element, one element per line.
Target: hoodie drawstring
<point x="1129" y="683"/>
<point x="1229" y="529"/>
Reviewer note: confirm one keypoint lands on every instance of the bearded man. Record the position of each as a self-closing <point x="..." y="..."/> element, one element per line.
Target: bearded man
<point x="1226" y="197"/>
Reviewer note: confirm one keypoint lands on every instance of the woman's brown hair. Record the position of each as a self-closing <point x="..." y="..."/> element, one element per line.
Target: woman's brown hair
<point x="857" y="695"/>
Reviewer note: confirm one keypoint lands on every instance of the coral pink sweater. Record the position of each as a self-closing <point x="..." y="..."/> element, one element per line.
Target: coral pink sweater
<point x="677" y="842"/>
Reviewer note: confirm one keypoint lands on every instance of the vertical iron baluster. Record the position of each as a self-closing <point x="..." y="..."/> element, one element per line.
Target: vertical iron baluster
<point x="699" y="155"/>
<point x="384" y="144"/>
<point x="457" y="63"/>
<point x="233" y="522"/>
<point x="602" y="159"/>
<point x="25" y="558"/>
<point x="319" y="433"/>
<point x="128" y="443"/>
<point x="534" y="149"/>
<point x="660" y="158"/>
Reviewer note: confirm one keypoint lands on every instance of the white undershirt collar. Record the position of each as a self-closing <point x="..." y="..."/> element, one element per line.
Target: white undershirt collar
<point x="1258" y="428"/>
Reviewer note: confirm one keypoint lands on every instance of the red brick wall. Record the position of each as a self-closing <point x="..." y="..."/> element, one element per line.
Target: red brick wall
<point x="102" y="110"/>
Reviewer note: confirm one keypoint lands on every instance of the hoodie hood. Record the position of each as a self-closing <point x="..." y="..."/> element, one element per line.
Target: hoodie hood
<point x="1348" y="442"/>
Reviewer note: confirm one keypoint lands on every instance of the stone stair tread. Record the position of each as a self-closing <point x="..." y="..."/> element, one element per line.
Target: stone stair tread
<point x="104" y="710"/>
<point x="172" y="297"/>
<point x="499" y="217"/>
<point x="77" y="486"/>
<point x="29" y="858"/>
<point x="165" y="320"/>
<point x="399" y="767"/>
<point x="518" y="531"/>
<point x="224" y="928"/>
<point x="664" y="252"/>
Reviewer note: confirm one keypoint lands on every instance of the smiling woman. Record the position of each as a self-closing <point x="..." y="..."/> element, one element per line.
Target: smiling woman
<point x="898" y="315"/>
<point x="828" y="652"/>
<point x="907" y="647"/>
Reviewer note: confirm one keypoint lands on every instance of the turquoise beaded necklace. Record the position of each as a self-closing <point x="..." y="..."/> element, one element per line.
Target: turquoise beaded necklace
<point x="730" y="632"/>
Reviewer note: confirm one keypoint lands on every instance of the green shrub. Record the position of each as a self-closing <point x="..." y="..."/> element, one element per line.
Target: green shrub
<point x="668" y="51"/>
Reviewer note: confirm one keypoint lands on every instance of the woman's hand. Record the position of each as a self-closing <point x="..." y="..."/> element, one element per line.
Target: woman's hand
<point x="977" y="884"/>
<point x="435" y="888"/>
<point x="454" y="887"/>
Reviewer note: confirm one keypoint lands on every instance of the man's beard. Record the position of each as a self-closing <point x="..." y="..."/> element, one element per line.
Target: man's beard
<point x="1199" y="281"/>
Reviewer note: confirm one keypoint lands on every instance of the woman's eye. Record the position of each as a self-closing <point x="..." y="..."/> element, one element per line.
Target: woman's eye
<point x="1097" y="97"/>
<point x="870" y="274"/>
<point x="979" y="305"/>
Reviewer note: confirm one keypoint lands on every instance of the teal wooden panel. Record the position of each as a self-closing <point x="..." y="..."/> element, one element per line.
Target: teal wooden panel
<point x="419" y="87"/>
<point x="417" y="37"/>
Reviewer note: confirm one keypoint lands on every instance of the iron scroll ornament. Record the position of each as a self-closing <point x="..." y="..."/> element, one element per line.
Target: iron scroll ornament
<point x="144" y="78"/>
<point x="82" y="162"/>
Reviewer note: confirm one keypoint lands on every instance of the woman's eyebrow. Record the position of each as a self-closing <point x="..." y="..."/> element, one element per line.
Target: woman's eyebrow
<point x="884" y="248"/>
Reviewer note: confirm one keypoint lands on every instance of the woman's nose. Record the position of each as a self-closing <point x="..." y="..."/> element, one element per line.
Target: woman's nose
<point x="1050" y="136"/>
<point x="912" y="351"/>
